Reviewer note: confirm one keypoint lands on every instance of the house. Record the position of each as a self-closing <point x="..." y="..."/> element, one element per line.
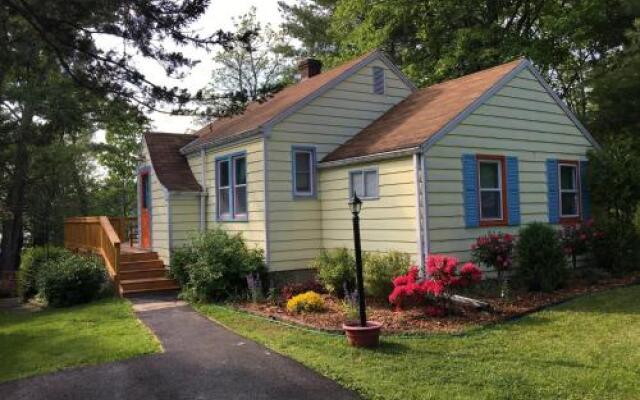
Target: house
<point x="436" y="167"/>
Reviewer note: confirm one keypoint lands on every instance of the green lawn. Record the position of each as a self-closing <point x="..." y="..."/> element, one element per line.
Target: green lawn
<point x="586" y="349"/>
<point x="37" y="342"/>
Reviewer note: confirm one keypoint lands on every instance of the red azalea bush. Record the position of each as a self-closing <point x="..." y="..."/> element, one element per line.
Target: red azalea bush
<point x="577" y="239"/>
<point x="445" y="274"/>
<point x="494" y="250"/>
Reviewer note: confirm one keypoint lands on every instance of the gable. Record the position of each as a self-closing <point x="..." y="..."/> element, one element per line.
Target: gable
<point x="341" y="112"/>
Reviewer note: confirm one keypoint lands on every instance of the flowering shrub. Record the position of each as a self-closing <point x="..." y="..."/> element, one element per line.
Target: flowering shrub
<point x="445" y="275"/>
<point x="494" y="250"/>
<point x="305" y="302"/>
<point x="577" y="239"/>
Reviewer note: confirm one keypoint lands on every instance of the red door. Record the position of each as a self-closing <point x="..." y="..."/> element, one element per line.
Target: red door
<point x="145" y="212"/>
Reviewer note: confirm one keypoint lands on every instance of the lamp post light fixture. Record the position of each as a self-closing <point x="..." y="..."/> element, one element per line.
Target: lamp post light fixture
<point x="355" y="205"/>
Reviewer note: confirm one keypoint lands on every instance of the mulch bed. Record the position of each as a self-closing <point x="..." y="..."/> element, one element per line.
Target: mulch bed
<point x="414" y="320"/>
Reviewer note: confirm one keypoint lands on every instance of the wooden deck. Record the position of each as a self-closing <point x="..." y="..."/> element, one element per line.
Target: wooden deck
<point x="132" y="269"/>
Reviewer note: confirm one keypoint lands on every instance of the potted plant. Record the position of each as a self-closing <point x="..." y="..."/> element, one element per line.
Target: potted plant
<point x="361" y="333"/>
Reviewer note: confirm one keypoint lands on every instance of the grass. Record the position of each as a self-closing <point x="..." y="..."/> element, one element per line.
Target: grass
<point x="585" y="349"/>
<point x="33" y="343"/>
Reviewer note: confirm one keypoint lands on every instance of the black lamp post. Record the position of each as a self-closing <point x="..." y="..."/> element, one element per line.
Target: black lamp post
<point x="355" y="205"/>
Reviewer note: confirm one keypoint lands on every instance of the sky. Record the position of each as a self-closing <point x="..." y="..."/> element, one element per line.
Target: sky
<point x="218" y="16"/>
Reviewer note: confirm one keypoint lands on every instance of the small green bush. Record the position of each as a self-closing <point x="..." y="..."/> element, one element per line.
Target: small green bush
<point x="380" y="269"/>
<point x="336" y="269"/>
<point x="215" y="266"/>
<point x="32" y="262"/>
<point x="542" y="265"/>
<point x="180" y="261"/>
<point x="71" y="280"/>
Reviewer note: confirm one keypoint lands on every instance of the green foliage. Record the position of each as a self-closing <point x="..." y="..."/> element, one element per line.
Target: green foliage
<point x="614" y="184"/>
<point x="380" y="269"/>
<point x="32" y="264"/>
<point x="71" y="280"/>
<point x="181" y="259"/>
<point x="541" y="262"/>
<point x="215" y="266"/>
<point x="336" y="269"/>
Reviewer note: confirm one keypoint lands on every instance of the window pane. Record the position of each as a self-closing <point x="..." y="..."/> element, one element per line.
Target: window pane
<point x="223" y="173"/>
<point x="489" y="175"/>
<point x="371" y="184"/>
<point x="569" y="204"/>
<point x="224" y="205"/>
<point x="567" y="177"/>
<point x="490" y="207"/>
<point x="357" y="184"/>
<point x="240" y="201"/>
<point x="303" y="161"/>
<point x="303" y="182"/>
<point x="240" y="170"/>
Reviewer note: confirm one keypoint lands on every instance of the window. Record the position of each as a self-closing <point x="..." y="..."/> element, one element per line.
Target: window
<point x="491" y="188"/>
<point x="303" y="170"/>
<point x="378" y="80"/>
<point x="364" y="183"/>
<point x="569" y="190"/>
<point x="231" y="179"/>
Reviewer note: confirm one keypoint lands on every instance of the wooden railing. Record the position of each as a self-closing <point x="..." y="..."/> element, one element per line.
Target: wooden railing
<point x="98" y="235"/>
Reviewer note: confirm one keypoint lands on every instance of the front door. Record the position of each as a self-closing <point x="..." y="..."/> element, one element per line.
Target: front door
<point x="145" y="212"/>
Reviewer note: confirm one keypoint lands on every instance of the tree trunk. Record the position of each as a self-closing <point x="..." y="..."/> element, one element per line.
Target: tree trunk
<point x="13" y="225"/>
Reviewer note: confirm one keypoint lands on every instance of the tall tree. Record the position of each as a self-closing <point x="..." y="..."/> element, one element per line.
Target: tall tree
<point x="61" y="40"/>
<point x="257" y="65"/>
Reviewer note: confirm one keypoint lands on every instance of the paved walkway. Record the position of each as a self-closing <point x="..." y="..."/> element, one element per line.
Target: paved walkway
<point x="202" y="360"/>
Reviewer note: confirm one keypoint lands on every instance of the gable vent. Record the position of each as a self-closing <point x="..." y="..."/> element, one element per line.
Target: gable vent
<point x="378" y="80"/>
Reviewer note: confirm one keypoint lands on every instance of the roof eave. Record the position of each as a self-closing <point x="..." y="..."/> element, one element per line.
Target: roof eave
<point x="192" y="148"/>
<point x="386" y="155"/>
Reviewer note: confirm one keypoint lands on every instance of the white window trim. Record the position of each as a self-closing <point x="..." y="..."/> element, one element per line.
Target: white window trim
<point x="575" y="191"/>
<point x="312" y="172"/>
<point x="362" y="171"/>
<point x="235" y="186"/>
<point x="498" y="189"/>
<point x="231" y="216"/>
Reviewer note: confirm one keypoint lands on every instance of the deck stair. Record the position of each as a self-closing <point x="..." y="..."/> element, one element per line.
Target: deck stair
<point x="132" y="269"/>
<point x="142" y="272"/>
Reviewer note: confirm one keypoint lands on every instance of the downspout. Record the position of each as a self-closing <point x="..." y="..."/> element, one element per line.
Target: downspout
<point x="139" y="206"/>
<point x="265" y="173"/>
<point x="203" y="194"/>
<point x="167" y="197"/>
<point x="425" y="204"/>
<point x="417" y="164"/>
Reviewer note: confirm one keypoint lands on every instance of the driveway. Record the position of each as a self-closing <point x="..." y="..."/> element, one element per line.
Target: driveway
<point x="201" y="360"/>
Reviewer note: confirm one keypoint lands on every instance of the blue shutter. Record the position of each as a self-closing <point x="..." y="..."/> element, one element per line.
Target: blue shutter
<point x="584" y="188"/>
<point x="378" y="80"/>
<point x="513" y="191"/>
<point x="470" y="190"/>
<point x="553" y="197"/>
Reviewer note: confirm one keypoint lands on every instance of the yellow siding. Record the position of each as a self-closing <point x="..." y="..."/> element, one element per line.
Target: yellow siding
<point x="185" y="217"/>
<point x="296" y="226"/>
<point x="387" y="223"/>
<point x="254" y="229"/>
<point x="521" y="120"/>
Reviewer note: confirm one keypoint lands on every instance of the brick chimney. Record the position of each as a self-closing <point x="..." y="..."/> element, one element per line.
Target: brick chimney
<point x="309" y="67"/>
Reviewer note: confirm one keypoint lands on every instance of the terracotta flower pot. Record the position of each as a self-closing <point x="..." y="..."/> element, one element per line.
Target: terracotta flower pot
<point x="362" y="336"/>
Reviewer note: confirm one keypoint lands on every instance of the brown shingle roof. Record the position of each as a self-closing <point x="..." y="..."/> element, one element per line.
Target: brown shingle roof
<point x="257" y="114"/>
<point x="421" y="115"/>
<point x="169" y="165"/>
